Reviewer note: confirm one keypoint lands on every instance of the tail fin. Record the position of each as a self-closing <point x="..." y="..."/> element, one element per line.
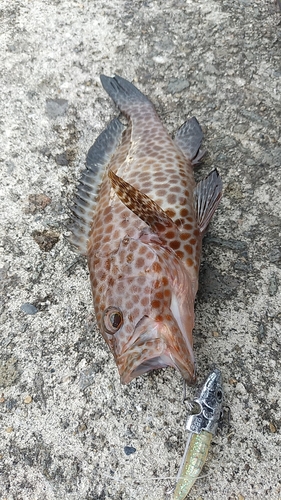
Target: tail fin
<point x="124" y="94"/>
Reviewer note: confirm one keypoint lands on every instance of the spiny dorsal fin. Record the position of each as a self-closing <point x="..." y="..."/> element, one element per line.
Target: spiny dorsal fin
<point x="188" y="138"/>
<point x="98" y="158"/>
<point x="145" y="208"/>
<point x="208" y="193"/>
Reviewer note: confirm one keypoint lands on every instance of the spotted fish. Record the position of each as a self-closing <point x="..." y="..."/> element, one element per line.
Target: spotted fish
<point x="140" y="219"/>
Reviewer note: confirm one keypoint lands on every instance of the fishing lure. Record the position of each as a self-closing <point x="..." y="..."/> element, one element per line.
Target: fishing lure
<point x="202" y="425"/>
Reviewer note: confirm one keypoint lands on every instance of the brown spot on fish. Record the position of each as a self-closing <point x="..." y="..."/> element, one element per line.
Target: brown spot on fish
<point x="110" y="281"/>
<point x="170" y="212"/>
<point x="156" y="267"/>
<point x="145" y="301"/>
<point x="173" y="189"/>
<point x="162" y="192"/>
<point x="107" y="238"/>
<point x="183" y="212"/>
<point x="164" y="186"/>
<point x="133" y="246"/>
<point x="172" y="199"/>
<point x="157" y="284"/>
<point x="184" y="236"/>
<point x="140" y="263"/>
<point x="188" y="249"/>
<point x="107" y="211"/>
<point x="180" y="254"/>
<point x="160" y="227"/>
<point x="107" y="264"/>
<point x="170" y="235"/>
<point x="175" y="244"/>
<point x="108" y="218"/>
<point x="142" y="250"/>
<point x="159" y="318"/>
<point x="155" y="304"/>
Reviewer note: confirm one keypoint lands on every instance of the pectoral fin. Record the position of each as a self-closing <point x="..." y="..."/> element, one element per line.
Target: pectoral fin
<point x="207" y="193"/>
<point x="142" y="206"/>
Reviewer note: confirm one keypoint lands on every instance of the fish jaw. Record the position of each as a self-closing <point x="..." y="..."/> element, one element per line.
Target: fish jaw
<point x="153" y="346"/>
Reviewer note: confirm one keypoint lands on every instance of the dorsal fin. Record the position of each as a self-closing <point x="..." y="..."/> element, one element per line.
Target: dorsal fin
<point x="188" y="138"/>
<point x="145" y="208"/>
<point x="105" y="145"/>
<point x="208" y="193"/>
<point x="98" y="158"/>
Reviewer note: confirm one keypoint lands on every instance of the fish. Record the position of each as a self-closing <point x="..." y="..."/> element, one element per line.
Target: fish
<point x="139" y="218"/>
<point x="202" y="425"/>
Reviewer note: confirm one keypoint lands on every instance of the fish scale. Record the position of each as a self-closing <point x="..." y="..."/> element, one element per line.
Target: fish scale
<point x="140" y="221"/>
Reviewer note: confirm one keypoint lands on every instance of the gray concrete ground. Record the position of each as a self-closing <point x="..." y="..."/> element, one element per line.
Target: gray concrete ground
<point x="65" y="419"/>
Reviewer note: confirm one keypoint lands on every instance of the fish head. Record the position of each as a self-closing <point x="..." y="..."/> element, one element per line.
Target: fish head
<point x="146" y="317"/>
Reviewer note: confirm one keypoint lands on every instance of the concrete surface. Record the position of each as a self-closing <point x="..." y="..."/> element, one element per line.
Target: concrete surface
<point x="65" y="419"/>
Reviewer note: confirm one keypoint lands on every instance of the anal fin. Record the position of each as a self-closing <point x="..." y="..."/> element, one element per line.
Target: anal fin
<point x="98" y="158"/>
<point x="208" y="193"/>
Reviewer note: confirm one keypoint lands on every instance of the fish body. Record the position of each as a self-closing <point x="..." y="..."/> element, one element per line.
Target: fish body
<point x="140" y="220"/>
<point x="201" y="426"/>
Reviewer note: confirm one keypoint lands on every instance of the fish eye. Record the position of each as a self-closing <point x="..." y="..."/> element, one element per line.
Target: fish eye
<point x="219" y="395"/>
<point x="112" y="320"/>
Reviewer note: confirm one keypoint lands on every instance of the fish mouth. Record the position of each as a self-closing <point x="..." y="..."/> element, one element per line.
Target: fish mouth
<point x="150" y="350"/>
<point x="143" y="358"/>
